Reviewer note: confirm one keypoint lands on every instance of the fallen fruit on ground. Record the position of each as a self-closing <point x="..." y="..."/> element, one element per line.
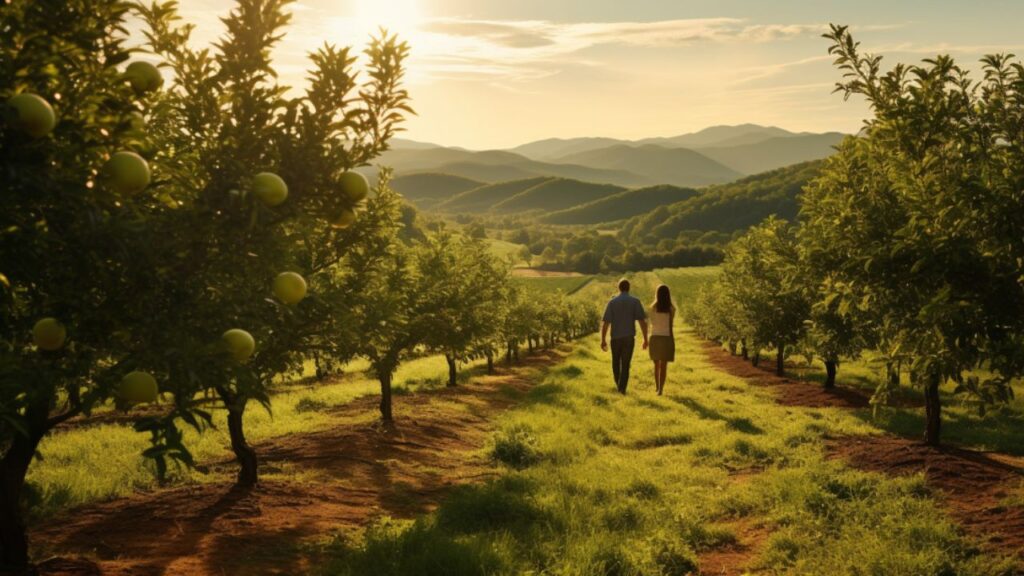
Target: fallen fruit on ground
<point x="290" y="287"/>
<point x="126" y="173"/>
<point x="31" y="114"/>
<point x="49" y="334"/>
<point x="144" y="77"/>
<point x="269" y="188"/>
<point x="240" y="344"/>
<point x="138" y="388"/>
<point x="354" y="185"/>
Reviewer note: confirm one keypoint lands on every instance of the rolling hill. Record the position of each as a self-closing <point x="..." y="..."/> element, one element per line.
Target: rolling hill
<point x="485" y="197"/>
<point x="720" y="136"/>
<point x="729" y="207"/>
<point x="622" y="205"/>
<point x="426" y="189"/>
<point x="758" y="157"/>
<point x="675" y="166"/>
<point x="499" y="166"/>
<point x="556" y="194"/>
<point x="554" y="148"/>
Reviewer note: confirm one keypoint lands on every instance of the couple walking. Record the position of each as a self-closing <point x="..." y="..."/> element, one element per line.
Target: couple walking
<point x="621" y="316"/>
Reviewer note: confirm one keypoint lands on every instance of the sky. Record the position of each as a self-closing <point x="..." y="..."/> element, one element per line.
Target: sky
<point x="498" y="73"/>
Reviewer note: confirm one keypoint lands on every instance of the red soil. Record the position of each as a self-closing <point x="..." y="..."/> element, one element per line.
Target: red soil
<point x="347" y="477"/>
<point x="973" y="485"/>
<point x="735" y="559"/>
<point x="789" y="392"/>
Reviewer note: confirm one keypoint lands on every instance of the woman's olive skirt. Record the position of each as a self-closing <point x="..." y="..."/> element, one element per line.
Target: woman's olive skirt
<point x="662" y="348"/>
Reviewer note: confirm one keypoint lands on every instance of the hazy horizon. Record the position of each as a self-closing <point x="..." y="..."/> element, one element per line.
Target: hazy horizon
<point x="486" y="74"/>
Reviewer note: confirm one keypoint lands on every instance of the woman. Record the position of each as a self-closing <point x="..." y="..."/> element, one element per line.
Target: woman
<point x="663" y="342"/>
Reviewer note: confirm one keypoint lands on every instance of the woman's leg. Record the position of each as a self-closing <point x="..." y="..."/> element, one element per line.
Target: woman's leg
<point x="664" y="375"/>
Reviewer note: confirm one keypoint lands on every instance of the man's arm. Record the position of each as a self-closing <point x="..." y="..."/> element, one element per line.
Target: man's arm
<point x="605" y="325"/>
<point x="642" y="318"/>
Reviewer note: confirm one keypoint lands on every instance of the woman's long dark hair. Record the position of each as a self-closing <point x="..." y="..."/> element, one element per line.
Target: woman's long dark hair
<point x="663" y="302"/>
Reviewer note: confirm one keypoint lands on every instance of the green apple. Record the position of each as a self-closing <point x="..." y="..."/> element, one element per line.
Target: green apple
<point x="31" y="114"/>
<point x="269" y="188"/>
<point x="344" y="218"/>
<point x="240" y="344"/>
<point x="138" y="388"/>
<point x="49" y="334"/>
<point x="144" y="77"/>
<point x="354" y="185"/>
<point x="126" y="173"/>
<point x="289" y="287"/>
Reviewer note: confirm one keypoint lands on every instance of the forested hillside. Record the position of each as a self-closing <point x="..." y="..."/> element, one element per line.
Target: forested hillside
<point x="426" y="189"/>
<point x="557" y="194"/>
<point x="485" y="197"/>
<point x="622" y="205"/>
<point x="676" y="166"/>
<point x="727" y="208"/>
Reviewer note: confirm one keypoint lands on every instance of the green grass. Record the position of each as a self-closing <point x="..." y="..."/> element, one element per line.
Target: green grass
<point x="595" y="483"/>
<point x="100" y="462"/>
<point x="504" y="250"/>
<point x="567" y="285"/>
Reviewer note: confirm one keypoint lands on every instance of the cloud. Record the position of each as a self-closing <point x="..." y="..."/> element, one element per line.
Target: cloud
<point x="575" y="36"/>
<point x="520" y="50"/>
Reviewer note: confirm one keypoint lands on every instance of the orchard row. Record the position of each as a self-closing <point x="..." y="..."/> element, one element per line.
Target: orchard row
<point x="909" y="243"/>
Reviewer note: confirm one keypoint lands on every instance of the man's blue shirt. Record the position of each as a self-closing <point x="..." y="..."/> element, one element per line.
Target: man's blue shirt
<point x="623" y="312"/>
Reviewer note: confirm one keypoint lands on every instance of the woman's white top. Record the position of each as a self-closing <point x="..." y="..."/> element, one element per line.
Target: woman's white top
<point x="661" y="322"/>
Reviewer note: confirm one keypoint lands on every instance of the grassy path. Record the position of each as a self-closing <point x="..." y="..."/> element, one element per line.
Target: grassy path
<point x="716" y="477"/>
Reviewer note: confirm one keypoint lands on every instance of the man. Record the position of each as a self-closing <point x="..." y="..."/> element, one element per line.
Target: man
<point x="621" y="315"/>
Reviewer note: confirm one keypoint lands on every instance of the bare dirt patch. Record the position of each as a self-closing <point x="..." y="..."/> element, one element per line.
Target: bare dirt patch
<point x="736" y="559"/>
<point x="789" y="392"/>
<point x="973" y="485"/>
<point x="348" y="476"/>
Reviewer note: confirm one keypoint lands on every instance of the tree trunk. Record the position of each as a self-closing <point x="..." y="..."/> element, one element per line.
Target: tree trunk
<point x="13" y="468"/>
<point x="756" y="360"/>
<point x="490" y="363"/>
<point x="893" y="374"/>
<point x="508" y="353"/>
<point x="248" y="473"/>
<point x="515" y="351"/>
<point x="320" y="374"/>
<point x="780" y="361"/>
<point x="732" y="347"/>
<point x="453" y="370"/>
<point x="831" y="367"/>
<point x="529" y="344"/>
<point x="743" y="349"/>
<point x="933" y="410"/>
<point x="385" y="396"/>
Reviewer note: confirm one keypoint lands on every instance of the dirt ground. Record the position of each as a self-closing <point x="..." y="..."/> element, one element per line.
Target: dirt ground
<point x="973" y="485"/>
<point x="344" y="477"/>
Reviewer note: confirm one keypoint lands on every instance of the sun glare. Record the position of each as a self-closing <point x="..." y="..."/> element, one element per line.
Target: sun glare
<point x="398" y="16"/>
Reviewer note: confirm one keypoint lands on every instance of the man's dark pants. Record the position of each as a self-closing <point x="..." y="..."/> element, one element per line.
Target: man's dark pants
<point x="622" y="356"/>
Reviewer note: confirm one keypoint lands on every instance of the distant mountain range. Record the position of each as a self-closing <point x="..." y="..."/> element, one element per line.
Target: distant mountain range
<point x="715" y="155"/>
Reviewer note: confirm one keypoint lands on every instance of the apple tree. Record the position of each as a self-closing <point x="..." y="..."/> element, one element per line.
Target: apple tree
<point x="77" y="203"/>
<point x="268" y="208"/>
<point x="923" y="213"/>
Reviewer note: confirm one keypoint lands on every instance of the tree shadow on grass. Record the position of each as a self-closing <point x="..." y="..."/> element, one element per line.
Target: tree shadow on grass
<point x="1002" y="430"/>
<point x="743" y="425"/>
